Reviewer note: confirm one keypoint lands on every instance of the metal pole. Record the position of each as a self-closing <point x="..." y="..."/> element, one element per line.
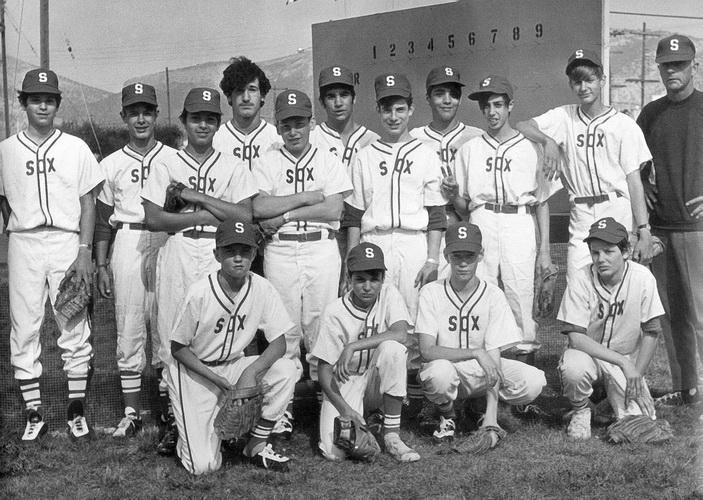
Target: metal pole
<point x="4" y="69"/>
<point x="44" y="33"/>
<point x="168" y="96"/>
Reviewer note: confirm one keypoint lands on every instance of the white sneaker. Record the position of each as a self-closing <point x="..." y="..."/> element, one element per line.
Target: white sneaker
<point x="445" y="429"/>
<point x="398" y="449"/>
<point x="580" y="425"/>
<point x="36" y="427"/>
<point x="284" y="426"/>
<point x="129" y="425"/>
<point x="270" y="460"/>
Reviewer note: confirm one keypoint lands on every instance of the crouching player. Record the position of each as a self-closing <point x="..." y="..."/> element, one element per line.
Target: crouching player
<point x="217" y="320"/>
<point x="464" y="323"/>
<point x="610" y="312"/>
<point x="360" y="348"/>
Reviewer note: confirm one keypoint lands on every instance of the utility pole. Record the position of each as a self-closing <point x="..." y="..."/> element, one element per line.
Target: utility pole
<point x="4" y="69"/>
<point x="643" y="72"/>
<point x="44" y="33"/>
<point x="168" y="96"/>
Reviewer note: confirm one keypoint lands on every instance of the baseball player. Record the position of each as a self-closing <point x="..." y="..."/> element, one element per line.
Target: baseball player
<point x="218" y="187"/>
<point x="602" y="153"/>
<point x="445" y="133"/>
<point x="610" y="312"/>
<point x="360" y="348"/>
<point x="48" y="180"/>
<point x="217" y="319"/>
<point x="464" y="323"/>
<point x="132" y="260"/>
<point x="302" y="190"/>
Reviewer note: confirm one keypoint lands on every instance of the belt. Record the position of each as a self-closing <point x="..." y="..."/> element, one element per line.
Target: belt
<point x="593" y="200"/>
<point x="134" y="226"/>
<point x="301" y="237"/>
<point x="216" y="363"/>
<point x="194" y="234"/>
<point x="508" y="209"/>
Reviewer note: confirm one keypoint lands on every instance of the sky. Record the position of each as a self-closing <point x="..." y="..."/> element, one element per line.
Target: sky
<point x="113" y="41"/>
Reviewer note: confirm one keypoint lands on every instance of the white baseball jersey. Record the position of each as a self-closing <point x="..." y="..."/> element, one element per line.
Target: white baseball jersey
<point x="43" y="183"/>
<point x="482" y="321"/>
<point x="446" y="145"/>
<point x="246" y="147"/>
<point x="600" y="152"/>
<point x="612" y="317"/>
<point x="327" y="139"/>
<point x="342" y="323"/>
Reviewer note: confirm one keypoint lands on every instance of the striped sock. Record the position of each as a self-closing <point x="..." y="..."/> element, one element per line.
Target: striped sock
<point x="391" y="423"/>
<point x="259" y="435"/>
<point x="131" y="389"/>
<point x="30" y="393"/>
<point x="77" y="385"/>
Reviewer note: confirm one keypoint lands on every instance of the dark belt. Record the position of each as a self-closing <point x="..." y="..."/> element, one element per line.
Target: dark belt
<point x="593" y="200"/>
<point x="300" y="237"/>
<point x="134" y="226"/>
<point x="196" y="235"/>
<point x="216" y="363"/>
<point x="508" y="209"/>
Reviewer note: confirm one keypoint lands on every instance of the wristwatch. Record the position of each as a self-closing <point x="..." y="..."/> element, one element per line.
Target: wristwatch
<point x="643" y="226"/>
<point x="286" y="217"/>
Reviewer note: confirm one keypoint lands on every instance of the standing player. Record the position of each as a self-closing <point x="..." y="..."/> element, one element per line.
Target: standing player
<point x="464" y="323"/>
<point x="610" y="312"/>
<point x="673" y="127"/>
<point x="48" y="180"/>
<point x="603" y="151"/>
<point x="361" y="354"/>
<point x="218" y="318"/>
<point x="132" y="262"/>
<point x="218" y="187"/>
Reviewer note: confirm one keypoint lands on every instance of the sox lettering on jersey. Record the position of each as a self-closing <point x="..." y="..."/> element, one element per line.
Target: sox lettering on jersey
<point x="41" y="166"/>
<point x="248" y="152"/>
<point x="299" y="175"/>
<point x="499" y="164"/>
<point x="591" y="140"/>
<point x="614" y="309"/>
<point x="202" y="183"/>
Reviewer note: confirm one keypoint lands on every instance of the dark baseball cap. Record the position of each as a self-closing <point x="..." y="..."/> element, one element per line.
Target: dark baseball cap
<point x="138" y="93"/>
<point x="292" y="102"/>
<point x="675" y="48"/>
<point x="233" y="231"/>
<point x="443" y="74"/>
<point x="202" y="99"/>
<point x="392" y="84"/>
<point x="463" y="237"/>
<point x="608" y="230"/>
<point x="582" y="56"/>
<point x="40" y="81"/>
<point x="493" y="84"/>
<point x="335" y="75"/>
<point x="365" y="257"/>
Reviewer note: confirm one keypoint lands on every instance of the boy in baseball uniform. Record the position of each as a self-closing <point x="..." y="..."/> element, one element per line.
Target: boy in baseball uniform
<point x="464" y="323"/>
<point x="360" y="348"/>
<point x="610" y="312"/>
<point x="48" y="180"/>
<point x="602" y="152"/>
<point x="218" y="318"/>
<point x="218" y="187"/>
<point x="131" y="262"/>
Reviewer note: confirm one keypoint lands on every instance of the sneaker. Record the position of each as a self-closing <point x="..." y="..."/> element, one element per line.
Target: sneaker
<point x="78" y="427"/>
<point x="129" y="425"/>
<point x="284" y="426"/>
<point x="374" y="423"/>
<point x="167" y="445"/>
<point x="445" y="430"/>
<point x="398" y="449"/>
<point x="428" y="418"/>
<point x="679" y="398"/>
<point x="580" y="425"/>
<point x="270" y="460"/>
<point x="36" y="427"/>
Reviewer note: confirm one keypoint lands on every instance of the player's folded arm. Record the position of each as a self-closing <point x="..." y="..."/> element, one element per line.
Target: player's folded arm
<point x="267" y="206"/>
<point x="223" y="209"/>
<point x="330" y="210"/>
<point x="157" y="219"/>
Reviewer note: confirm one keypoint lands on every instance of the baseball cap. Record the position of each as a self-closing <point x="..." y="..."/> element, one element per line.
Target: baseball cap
<point x="675" y="48"/>
<point x="365" y="257"/>
<point x="232" y="231"/>
<point x="292" y="103"/>
<point x="335" y="74"/>
<point x="40" y="81"/>
<point x="138" y="92"/>
<point x="464" y="237"/>
<point x="608" y="230"/>
<point x="392" y="84"/>
<point x="202" y="99"/>
<point x="493" y="84"/>
<point x="581" y="56"/>
<point x="443" y="74"/>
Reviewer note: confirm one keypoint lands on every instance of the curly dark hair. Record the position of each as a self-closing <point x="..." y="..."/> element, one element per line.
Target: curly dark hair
<point x="23" y="96"/>
<point x="240" y="72"/>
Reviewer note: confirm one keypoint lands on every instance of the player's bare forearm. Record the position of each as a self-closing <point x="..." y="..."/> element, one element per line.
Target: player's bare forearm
<point x="648" y="346"/>
<point x="103" y="277"/>
<point x="157" y="219"/>
<point x="6" y="211"/>
<point x="330" y="387"/>
<point x="544" y="258"/>
<point x="330" y="210"/>
<point x="221" y="209"/>
<point x="491" y="415"/>
<point x="430" y="351"/>
<point x="434" y="238"/>
<point x="398" y="331"/>
<point x="254" y="372"/>
<point x="353" y="237"/>
<point x="83" y="264"/>
<point x="584" y="343"/>
<point x="551" y="161"/>
<point x="643" y="250"/>
<point x="267" y="207"/>
<point x="187" y="358"/>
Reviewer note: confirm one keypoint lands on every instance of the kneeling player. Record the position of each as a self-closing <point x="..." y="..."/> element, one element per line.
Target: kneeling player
<point x="611" y="314"/>
<point x="463" y="323"/>
<point x="360" y="348"/>
<point x="217" y="320"/>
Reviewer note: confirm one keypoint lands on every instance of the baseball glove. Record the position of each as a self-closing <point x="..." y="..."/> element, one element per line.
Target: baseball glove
<point x="545" y="282"/>
<point x="479" y="442"/>
<point x="174" y="203"/>
<point x="72" y="298"/>
<point x="355" y="439"/>
<point x="241" y="411"/>
<point x="639" y="429"/>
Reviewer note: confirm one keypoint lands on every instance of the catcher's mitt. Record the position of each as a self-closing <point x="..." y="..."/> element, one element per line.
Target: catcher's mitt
<point x="174" y="203"/>
<point x="355" y="439"/>
<point x="479" y="442"/>
<point x="241" y="411"/>
<point x="72" y="298"/>
<point x="639" y="429"/>
<point x="545" y="282"/>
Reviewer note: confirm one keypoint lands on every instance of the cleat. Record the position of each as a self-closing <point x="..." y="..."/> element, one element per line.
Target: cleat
<point x="284" y="427"/>
<point x="129" y="425"/>
<point x="167" y="445"/>
<point x="428" y="418"/>
<point x="270" y="460"/>
<point x="36" y="427"/>
<point x="445" y="430"/>
<point x="398" y="449"/>
<point x="78" y="428"/>
<point x="580" y="425"/>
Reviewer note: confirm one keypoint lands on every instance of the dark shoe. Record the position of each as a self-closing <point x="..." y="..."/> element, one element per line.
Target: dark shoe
<point x="167" y="446"/>
<point x="270" y="460"/>
<point x="78" y="428"/>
